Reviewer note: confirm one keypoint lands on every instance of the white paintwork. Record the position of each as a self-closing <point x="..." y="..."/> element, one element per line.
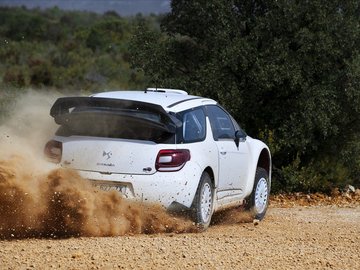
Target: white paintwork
<point x="256" y="148"/>
<point x="161" y="187"/>
<point x="233" y="164"/>
<point x="109" y="155"/>
<point x="132" y="162"/>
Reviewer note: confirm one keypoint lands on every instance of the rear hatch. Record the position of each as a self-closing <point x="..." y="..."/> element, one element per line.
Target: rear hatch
<point x="110" y="155"/>
<point x="112" y="135"/>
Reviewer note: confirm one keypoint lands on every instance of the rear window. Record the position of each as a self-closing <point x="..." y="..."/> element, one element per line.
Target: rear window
<point x="124" y="124"/>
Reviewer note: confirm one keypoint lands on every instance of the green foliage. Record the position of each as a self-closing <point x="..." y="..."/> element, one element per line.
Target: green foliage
<point x="322" y="174"/>
<point x="287" y="70"/>
<point x="67" y="50"/>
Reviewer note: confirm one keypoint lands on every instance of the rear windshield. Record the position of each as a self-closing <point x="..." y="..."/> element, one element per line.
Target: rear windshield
<point x="129" y="124"/>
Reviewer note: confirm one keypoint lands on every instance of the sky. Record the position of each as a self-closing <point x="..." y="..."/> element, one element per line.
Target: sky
<point x="122" y="7"/>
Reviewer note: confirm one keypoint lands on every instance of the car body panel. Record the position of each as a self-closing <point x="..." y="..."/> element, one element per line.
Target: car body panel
<point x="90" y="157"/>
<point x="257" y="147"/>
<point x="109" y="155"/>
<point x="233" y="163"/>
<point x="128" y="164"/>
<point x="164" y="188"/>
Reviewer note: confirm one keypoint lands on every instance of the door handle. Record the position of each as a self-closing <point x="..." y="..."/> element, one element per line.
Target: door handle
<point x="223" y="153"/>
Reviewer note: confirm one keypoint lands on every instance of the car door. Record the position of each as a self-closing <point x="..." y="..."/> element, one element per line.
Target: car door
<point x="233" y="160"/>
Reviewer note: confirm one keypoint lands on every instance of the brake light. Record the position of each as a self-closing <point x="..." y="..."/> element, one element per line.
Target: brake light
<point x="53" y="151"/>
<point x="169" y="160"/>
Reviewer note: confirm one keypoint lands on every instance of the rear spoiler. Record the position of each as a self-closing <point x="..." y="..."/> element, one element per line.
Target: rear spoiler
<point x="63" y="106"/>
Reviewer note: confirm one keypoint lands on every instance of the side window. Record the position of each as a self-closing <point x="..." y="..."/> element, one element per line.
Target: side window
<point x="194" y="124"/>
<point x="221" y="123"/>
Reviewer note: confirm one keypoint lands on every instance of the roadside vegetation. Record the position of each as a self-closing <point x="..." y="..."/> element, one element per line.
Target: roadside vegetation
<point x="289" y="71"/>
<point x="68" y="50"/>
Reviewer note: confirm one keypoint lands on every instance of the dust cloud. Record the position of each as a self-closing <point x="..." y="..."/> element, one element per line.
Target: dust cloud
<point x="38" y="199"/>
<point x="61" y="204"/>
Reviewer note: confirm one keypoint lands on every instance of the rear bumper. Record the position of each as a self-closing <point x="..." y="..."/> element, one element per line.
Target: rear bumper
<point x="165" y="188"/>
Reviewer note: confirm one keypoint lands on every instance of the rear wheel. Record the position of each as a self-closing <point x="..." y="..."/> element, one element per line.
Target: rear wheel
<point x="258" y="201"/>
<point x="203" y="203"/>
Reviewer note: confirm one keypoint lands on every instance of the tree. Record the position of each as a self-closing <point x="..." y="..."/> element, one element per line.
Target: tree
<point x="67" y="49"/>
<point x="288" y="71"/>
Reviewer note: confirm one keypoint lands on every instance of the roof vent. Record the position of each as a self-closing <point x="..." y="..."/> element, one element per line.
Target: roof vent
<point x="165" y="90"/>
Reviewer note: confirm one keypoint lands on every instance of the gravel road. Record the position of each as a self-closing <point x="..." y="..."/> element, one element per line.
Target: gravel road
<point x="316" y="237"/>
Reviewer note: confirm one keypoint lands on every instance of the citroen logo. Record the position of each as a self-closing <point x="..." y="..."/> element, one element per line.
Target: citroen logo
<point x="107" y="154"/>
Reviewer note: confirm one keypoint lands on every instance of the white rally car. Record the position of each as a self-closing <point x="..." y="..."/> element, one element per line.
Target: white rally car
<point x="165" y="146"/>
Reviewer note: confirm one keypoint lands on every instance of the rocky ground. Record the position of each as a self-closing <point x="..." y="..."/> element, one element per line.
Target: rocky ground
<point x="299" y="232"/>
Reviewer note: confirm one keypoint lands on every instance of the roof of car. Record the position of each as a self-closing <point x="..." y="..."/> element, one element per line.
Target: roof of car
<point x="174" y="100"/>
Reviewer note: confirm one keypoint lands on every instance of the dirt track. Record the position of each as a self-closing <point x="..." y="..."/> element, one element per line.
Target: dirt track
<point x="326" y="237"/>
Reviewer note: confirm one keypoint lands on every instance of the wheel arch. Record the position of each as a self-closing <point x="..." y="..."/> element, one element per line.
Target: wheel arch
<point x="210" y="172"/>
<point x="264" y="161"/>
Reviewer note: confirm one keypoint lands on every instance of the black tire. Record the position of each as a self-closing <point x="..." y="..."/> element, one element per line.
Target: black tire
<point x="203" y="204"/>
<point x="258" y="201"/>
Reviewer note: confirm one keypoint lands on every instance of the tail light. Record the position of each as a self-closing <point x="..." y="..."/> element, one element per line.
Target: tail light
<point x="171" y="160"/>
<point x="53" y="151"/>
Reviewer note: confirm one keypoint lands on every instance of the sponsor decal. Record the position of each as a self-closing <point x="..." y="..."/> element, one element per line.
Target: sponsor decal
<point x="105" y="164"/>
<point x="107" y="154"/>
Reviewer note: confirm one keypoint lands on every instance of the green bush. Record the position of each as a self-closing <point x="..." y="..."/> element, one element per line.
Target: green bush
<point x="322" y="174"/>
<point x="64" y="49"/>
